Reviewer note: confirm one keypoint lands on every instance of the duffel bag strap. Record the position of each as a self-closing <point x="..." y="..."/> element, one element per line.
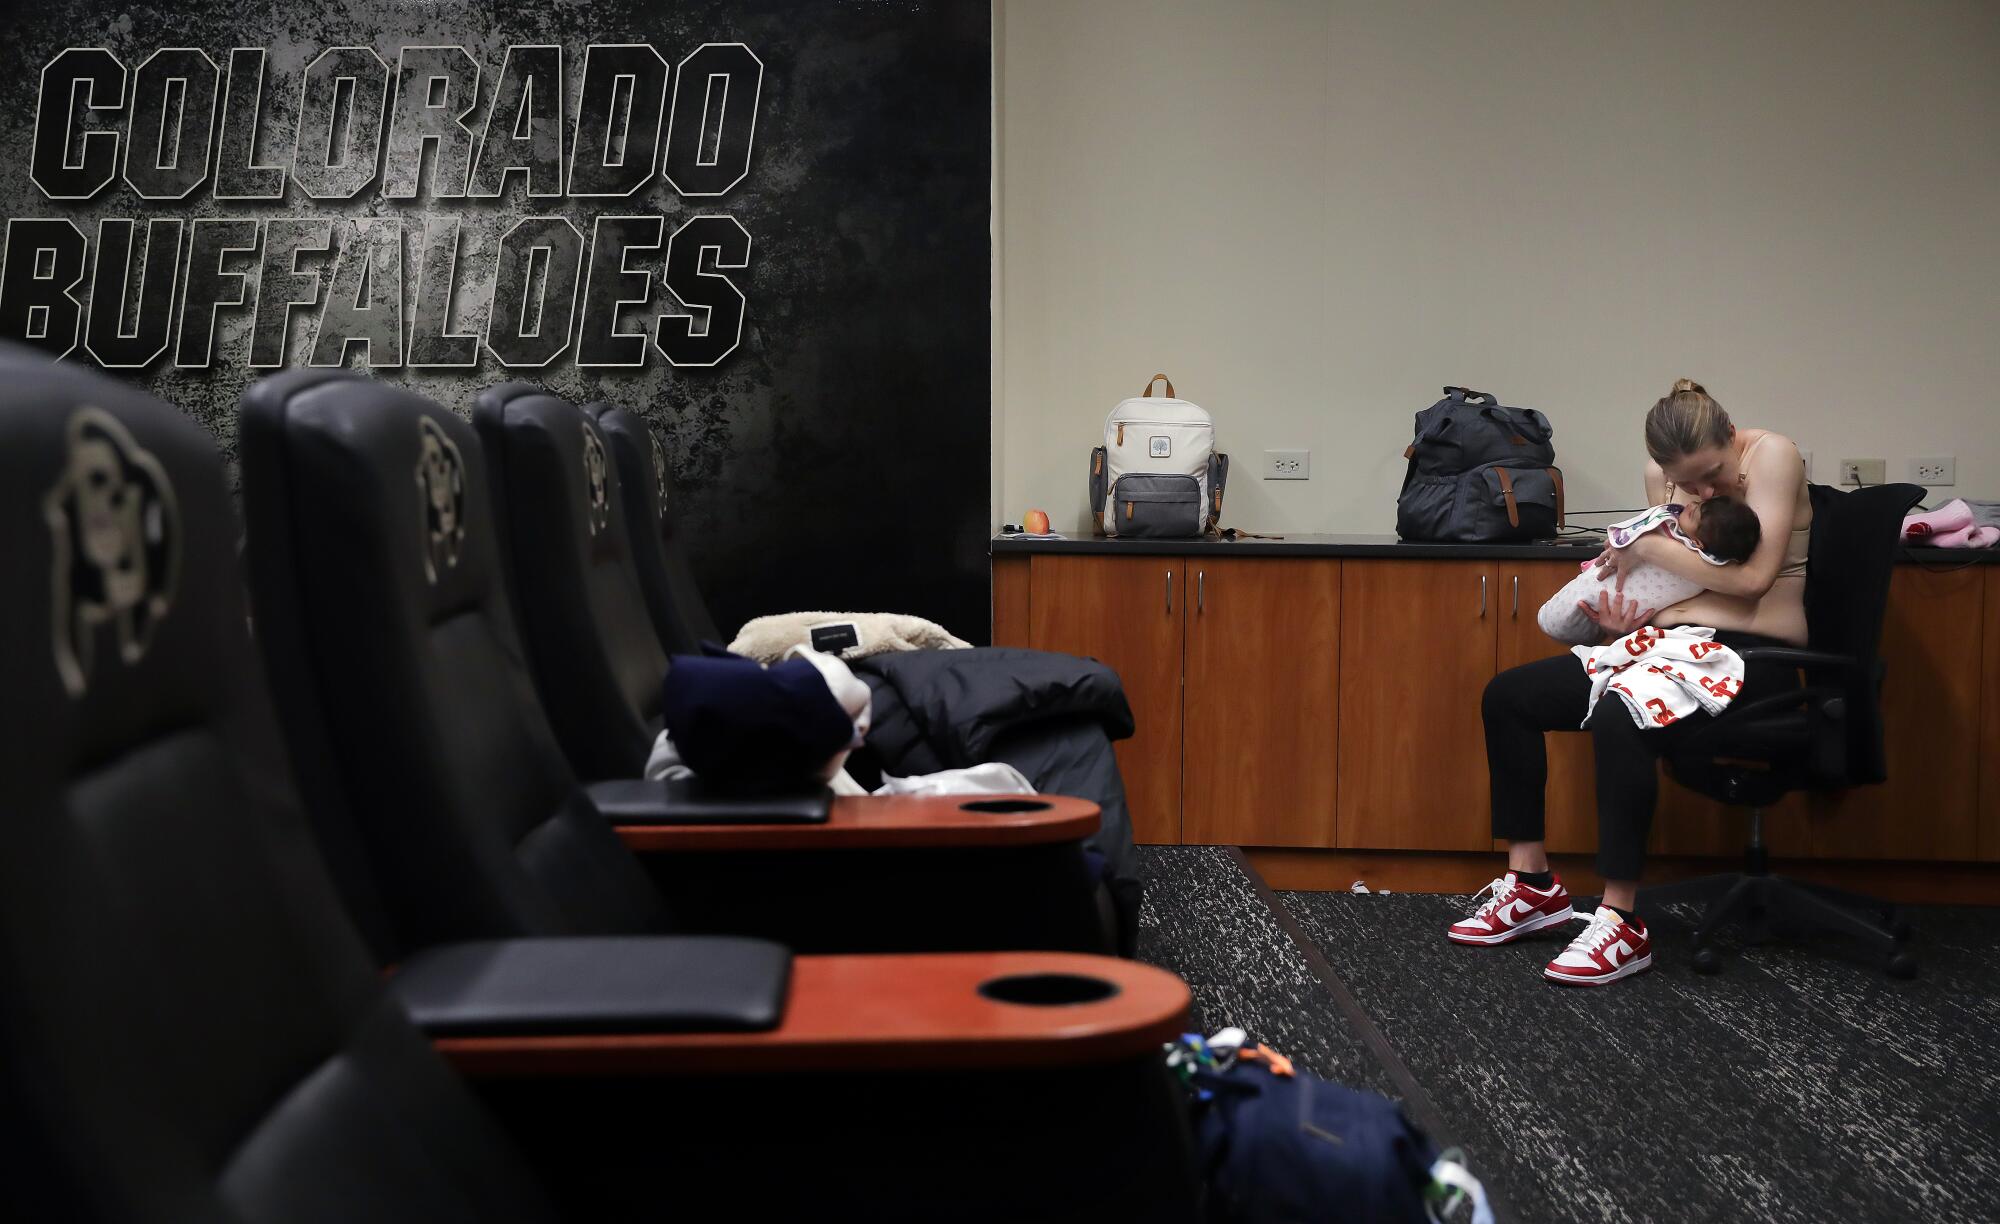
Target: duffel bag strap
<point x="1467" y="393"/>
<point x="1507" y="491"/>
<point x="1148" y="392"/>
<point x="1556" y="474"/>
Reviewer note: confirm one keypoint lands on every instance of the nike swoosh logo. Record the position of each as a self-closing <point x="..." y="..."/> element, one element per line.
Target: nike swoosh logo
<point x="1615" y="953"/>
<point x="1514" y="911"/>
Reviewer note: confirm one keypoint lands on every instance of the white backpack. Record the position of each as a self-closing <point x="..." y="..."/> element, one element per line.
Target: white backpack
<point x="1158" y="473"/>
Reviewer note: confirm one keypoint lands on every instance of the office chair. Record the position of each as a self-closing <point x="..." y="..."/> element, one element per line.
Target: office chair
<point x="1823" y="736"/>
<point x="390" y="637"/>
<point x="646" y="498"/>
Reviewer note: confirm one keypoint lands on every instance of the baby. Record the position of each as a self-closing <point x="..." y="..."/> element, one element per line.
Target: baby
<point x="1721" y="531"/>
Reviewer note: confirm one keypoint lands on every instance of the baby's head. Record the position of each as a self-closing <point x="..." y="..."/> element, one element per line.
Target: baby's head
<point x="1725" y="527"/>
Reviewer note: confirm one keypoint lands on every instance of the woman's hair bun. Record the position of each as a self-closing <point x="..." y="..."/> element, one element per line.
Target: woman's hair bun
<point x="1688" y="384"/>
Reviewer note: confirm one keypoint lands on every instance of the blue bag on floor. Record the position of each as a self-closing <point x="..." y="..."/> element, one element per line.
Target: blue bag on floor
<point x="1279" y="1146"/>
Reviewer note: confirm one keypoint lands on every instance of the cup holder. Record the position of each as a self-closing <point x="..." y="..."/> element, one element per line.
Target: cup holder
<point x="1047" y="989"/>
<point x="1005" y="806"/>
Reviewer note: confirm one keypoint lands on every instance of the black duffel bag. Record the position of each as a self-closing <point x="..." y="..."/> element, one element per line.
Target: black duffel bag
<point x="1480" y="473"/>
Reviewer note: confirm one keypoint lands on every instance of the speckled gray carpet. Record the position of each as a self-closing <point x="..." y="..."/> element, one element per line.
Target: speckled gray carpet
<point x="1791" y="1086"/>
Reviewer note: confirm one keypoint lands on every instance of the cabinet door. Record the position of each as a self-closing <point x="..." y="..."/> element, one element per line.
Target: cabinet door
<point x="1416" y="651"/>
<point x="1126" y="613"/>
<point x="1989" y="720"/>
<point x="1261" y="702"/>
<point x="1010" y="601"/>
<point x="1928" y="809"/>
<point x="1571" y="822"/>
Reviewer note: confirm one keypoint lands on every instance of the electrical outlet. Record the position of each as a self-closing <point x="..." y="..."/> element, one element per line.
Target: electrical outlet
<point x="1287" y="465"/>
<point x="1942" y="470"/>
<point x="1863" y="472"/>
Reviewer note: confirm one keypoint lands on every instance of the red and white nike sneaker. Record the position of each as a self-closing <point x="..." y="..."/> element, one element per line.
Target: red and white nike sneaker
<point x="1609" y="948"/>
<point x="1512" y="910"/>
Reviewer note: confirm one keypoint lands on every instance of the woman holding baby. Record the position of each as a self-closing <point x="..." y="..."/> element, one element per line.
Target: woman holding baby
<point x="1696" y="455"/>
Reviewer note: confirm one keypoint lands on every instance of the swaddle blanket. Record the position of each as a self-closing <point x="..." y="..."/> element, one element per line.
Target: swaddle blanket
<point x="1663" y="675"/>
<point x="1652" y="587"/>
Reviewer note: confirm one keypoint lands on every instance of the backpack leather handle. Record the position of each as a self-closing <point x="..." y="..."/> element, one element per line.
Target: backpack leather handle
<point x="1148" y="392"/>
<point x="1507" y="492"/>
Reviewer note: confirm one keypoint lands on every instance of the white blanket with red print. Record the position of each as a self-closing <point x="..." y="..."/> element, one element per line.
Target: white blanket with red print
<point x="1663" y="675"/>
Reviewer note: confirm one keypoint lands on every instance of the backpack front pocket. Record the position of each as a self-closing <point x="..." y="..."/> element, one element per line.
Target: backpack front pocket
<point x="1157" y="505"/>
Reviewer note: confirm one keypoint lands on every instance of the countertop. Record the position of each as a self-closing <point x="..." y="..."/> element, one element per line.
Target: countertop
<point x="1389" y="546"/>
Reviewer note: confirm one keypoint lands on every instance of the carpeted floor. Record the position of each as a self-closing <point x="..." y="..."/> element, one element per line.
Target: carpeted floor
<point x="1791" y="1086"/>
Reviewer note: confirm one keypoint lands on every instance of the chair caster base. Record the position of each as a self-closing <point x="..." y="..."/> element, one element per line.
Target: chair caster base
<point x="1903" y="966"/>
<point x="1706" y="961"/>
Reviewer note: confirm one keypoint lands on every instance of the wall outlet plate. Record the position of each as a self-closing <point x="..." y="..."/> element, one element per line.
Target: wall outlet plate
<point x="1863" y="472"/>
<point x="1287" y="465"/>
<point x="1940" y="470"/>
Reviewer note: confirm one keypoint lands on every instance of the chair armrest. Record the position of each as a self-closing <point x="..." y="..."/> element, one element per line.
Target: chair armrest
<point x="1791" y="699"/>
<point x="1797" y="657"/>
<point x="683" y="801"/>
<point x="882" y="1013"/>
<point x="901" y="822"/>
<point x="595" y="984"/>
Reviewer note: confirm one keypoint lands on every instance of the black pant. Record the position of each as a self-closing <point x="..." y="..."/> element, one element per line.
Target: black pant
<point x="1550" y="695"/>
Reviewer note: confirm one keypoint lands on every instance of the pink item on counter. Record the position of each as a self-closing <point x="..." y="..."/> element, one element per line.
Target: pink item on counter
<point x="1953" y="516"/>
<point x="1964" y="537"/>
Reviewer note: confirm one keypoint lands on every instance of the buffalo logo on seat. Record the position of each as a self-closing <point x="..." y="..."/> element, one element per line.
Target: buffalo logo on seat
<point x="116" y="530"/>
<point x="597" y="492"/>
<point x="441" y="485"/>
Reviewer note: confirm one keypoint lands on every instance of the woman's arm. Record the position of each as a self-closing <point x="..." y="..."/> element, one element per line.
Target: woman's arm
<point x="1774" y="480"/>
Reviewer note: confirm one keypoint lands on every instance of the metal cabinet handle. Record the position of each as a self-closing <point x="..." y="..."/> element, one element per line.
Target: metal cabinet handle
<point x="1482" y="597"/>
<point x="1516" y="611"/>
<point x="1200" y="589"/>
<point x="1170" y="592"/>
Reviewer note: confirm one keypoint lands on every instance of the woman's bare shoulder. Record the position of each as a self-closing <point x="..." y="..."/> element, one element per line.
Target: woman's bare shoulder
<point x="1770" y="444"/>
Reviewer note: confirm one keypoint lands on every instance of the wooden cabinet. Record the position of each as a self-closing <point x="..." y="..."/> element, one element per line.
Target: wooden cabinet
<point x="1126" y="613"/>
<point x="1929" y="808"/>
<point x="1416" y="648"/>
<point x="1989" y="721"/>
<point x="1570" y="823"/>
<point x="1305" y="701"/>
<point x="1260" y="708"/>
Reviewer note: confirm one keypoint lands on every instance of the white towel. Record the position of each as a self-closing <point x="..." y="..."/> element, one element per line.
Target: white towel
<point x="1663" y="675"/>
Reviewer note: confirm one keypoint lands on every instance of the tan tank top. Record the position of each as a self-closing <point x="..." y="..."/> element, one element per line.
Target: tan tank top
<point x="1801" y="538"/>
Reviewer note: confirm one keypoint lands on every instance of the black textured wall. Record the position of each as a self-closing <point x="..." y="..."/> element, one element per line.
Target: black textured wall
<point x="839" y="457"/>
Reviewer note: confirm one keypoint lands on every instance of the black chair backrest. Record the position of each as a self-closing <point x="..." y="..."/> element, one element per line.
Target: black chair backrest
<point x="680" y="618"/>
<point x="189" y="1029"/>
<point x="1852" y="555"/>
<point x="596" y="659"/>
<point x="370" y="523"/>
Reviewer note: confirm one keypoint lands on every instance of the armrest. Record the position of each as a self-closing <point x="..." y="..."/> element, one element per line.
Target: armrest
<point x="882" y="1013"/>
<point x="901" y="822"/>
<point x="596" y="984"/>
<point x="1797" y="657"/>
<point x="679" y="801"/>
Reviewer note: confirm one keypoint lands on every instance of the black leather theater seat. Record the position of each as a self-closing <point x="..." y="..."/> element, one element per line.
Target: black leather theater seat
<point x="681" y="619"/>
<point x="394" y="655"/>
<point x="189" y="1030"/>
<point x="563" y="532"/>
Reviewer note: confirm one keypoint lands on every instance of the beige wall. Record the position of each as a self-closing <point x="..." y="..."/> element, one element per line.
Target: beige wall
<point x="1313" y="213"/>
